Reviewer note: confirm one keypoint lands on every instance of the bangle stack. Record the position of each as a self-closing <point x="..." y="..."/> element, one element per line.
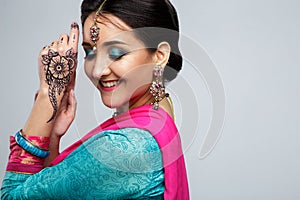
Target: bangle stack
<point x="29" y="147"/>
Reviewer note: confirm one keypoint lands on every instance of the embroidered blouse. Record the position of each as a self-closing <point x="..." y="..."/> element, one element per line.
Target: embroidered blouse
<point x="114" y="164"/>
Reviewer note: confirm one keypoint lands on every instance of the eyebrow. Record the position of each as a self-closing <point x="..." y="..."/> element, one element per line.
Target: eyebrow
<point x="108" y="43"/>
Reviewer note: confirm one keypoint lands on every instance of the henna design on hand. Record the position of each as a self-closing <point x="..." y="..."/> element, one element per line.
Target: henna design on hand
<point x="59" y="70"/>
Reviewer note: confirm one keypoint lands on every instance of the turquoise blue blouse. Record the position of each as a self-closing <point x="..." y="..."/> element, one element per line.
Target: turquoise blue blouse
<point x="118" y="164"/>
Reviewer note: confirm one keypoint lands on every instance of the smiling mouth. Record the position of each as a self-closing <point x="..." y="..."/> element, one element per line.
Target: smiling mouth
<point x="109" y="84"/>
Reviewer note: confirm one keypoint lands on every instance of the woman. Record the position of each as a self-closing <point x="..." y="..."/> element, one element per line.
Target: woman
<point x="131" y="47"/>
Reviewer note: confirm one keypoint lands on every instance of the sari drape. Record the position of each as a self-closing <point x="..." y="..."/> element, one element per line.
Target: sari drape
<point x="164" y="130"/>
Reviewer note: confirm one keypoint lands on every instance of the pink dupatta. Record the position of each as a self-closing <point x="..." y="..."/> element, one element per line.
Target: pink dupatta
<point x="163" y="129"/>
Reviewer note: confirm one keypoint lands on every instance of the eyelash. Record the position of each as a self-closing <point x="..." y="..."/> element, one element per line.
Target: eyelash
<point x="90" y="54"/>
<point x="119" y="55"/>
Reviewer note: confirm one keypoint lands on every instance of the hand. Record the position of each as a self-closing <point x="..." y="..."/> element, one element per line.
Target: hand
<point x="65" y="114"/>
<point x="57" y="66"/>
<point x="64" y="119"/>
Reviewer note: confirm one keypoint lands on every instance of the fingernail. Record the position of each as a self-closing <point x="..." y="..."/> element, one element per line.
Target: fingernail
<point x="74" y="25"/>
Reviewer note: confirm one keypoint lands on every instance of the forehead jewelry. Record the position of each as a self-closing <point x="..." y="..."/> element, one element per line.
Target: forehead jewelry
<point x="94" y="30"/>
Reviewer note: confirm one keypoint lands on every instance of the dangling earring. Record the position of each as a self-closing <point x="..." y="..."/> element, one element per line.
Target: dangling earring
<point x="157" y="88"/>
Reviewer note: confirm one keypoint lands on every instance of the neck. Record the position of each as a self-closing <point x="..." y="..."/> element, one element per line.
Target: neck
<point x="146" y="98"/>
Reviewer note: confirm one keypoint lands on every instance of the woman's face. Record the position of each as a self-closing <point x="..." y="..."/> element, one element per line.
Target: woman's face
<point x="121" y="68"/>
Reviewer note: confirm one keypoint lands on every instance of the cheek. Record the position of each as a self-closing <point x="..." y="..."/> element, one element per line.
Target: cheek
<point x="140" y="76"/>
<point x="88" y="68"/>
<point x="137" y="68"/>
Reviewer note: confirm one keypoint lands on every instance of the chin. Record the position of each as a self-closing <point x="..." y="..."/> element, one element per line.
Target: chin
<point x="108" y="102"/>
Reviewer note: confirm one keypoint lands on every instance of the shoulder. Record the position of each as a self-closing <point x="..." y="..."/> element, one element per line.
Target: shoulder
<point x="127" y="149"/>
<point x="128" y="139"/>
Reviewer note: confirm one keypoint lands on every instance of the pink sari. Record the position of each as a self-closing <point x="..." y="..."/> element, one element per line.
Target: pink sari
<point x="163" y="129"/>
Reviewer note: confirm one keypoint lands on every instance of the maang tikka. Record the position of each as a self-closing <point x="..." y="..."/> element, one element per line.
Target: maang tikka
<point x="157" y="88"/>
<point x="95" y="30"/>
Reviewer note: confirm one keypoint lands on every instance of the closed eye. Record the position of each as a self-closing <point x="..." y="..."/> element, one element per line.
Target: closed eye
<point x="116" y="53"/>
<point x="88" y="50"/>
<point x="89" y="54"/>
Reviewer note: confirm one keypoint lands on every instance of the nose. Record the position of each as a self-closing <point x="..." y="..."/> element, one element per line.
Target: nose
<point x="99" y="72"/>
<point x="100" y="69"/>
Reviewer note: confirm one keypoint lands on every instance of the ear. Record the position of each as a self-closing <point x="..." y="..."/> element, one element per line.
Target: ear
<point x="162" y="54"/>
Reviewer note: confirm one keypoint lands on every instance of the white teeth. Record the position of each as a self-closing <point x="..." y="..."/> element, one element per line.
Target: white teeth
<point x="109" y="84"/>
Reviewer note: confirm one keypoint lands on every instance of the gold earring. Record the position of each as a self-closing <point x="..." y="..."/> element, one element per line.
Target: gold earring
<point x="157" y="88"/>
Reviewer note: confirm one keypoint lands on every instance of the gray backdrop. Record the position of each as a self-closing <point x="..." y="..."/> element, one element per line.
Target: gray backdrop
<point x="254" y="45"/>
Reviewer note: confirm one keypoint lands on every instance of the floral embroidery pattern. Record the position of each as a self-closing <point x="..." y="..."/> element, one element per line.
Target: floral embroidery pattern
<point x="84" y="174"/>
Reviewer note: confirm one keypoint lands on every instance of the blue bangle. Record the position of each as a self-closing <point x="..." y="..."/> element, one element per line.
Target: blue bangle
<point x="29" y="147"/>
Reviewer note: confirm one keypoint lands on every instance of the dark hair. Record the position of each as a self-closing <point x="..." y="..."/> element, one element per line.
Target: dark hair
<point x="153" y="21"/>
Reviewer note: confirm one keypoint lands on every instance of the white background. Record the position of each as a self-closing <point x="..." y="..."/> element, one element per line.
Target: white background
<point x="255" y="46"/>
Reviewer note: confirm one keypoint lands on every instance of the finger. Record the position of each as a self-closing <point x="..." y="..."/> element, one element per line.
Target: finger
<point x="74" y="36"/>
<point x="72" y="104"/>
<point x="71" y="86"/>
<point x="43" y="52"/>
<point x="45" y="49"/>
<point x="54" y="44"/>
<point x="64" y="101"/>
<point x="36" y="95"/>
<point x="62" y="44"/>
<point x="73" y="79"/>
<point x="63" y="39"/>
